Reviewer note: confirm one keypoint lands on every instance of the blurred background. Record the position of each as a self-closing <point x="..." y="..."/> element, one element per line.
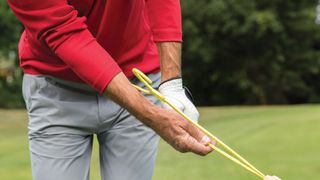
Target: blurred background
<point x="236" y="53"/>
<point x="252" y="51"/>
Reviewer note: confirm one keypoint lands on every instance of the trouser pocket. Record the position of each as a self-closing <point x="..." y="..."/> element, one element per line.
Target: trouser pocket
<point x="57" y="110"/>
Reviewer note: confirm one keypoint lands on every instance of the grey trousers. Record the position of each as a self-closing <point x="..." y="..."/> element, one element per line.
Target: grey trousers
<point x="63" y="117"/>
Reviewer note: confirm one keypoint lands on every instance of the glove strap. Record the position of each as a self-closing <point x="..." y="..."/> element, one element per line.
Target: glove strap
<point x="174" y="78"/>
<point x="188" y="93"/>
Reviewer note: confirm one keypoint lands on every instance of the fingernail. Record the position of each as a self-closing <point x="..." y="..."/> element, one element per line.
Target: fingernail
<point x="205" y="140"/>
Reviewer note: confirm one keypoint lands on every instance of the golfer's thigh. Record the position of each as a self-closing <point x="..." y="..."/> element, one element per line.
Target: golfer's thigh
<point x="128" y="151"/>
<point x="60" y="157"/>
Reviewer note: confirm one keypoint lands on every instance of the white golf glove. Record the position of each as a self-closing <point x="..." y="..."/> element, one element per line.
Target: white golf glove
<point x="179" y="96"/>
<point x="271" y="178"/>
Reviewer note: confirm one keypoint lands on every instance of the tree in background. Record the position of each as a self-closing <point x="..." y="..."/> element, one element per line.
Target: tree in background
<point x="10" y="73"/>
<point x="251" y="52"/>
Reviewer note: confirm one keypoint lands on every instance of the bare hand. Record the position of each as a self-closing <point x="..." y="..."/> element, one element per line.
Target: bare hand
<point x="181" y="134"/>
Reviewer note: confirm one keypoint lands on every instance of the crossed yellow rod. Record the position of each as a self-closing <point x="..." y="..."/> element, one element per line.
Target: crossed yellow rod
<point x="235" y="158"/>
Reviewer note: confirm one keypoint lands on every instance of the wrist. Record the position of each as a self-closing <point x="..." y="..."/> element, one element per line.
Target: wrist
<point x="148" y="114"/>
<point x="170" y="79"/>
<point x="122" y="92"/>
<point x="169" y="73"/>
<point x="170" y="59"/>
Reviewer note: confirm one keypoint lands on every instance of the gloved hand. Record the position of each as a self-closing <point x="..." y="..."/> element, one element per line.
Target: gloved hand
<point x="271" y="178"/>
<point x="179" y="96"/>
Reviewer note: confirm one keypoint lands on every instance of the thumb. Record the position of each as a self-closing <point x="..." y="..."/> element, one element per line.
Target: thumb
<point x="197" y="147"/>
<point x="199" y="140"/>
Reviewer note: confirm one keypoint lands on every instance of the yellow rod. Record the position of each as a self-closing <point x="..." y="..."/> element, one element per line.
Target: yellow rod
<point x="244" y="163"/>
<point x="213" y="137"/>
<point x="235" y="160"/>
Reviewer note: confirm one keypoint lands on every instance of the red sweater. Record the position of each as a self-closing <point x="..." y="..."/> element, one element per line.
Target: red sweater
<point x="91" y="41"/>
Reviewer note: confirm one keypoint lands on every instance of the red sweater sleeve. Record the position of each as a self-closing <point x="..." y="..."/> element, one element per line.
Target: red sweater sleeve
<point x="56" y="25"/>
<point x="165" y="20"/>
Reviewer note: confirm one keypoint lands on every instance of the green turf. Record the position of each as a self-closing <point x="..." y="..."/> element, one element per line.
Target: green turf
<point x="281" y="140"/>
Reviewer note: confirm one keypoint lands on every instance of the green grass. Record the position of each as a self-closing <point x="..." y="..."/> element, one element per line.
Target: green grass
<point x="281" y="140"/>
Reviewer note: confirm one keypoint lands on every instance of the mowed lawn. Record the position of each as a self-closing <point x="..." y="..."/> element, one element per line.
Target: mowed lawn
<point x="281" y="140"/>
